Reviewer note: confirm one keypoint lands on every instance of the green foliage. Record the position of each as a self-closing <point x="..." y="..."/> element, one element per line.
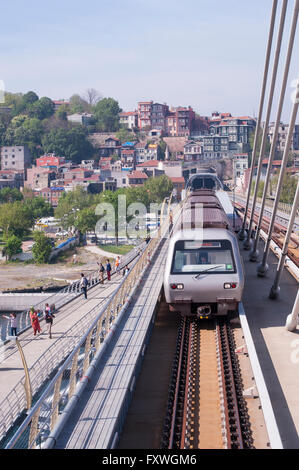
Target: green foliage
<point x="42" y="248"/>
<point x="124" y="135"/>
<point x="12" y="246"/>
<point x="10" y="195"/>
<point x="78" y="105"/>
<point x="41" y="109"/>
<point x="158" y="188"/>
<point x="161" y="150"/>
<point x="69" y="143"/>
<point x="70" y="203"/>
<point x="106" y="113"/>
<point x="289" y="186"/>
<point x="38" y="207"/>
<point x="86" y="219"/>
<point x="15" y="219"/>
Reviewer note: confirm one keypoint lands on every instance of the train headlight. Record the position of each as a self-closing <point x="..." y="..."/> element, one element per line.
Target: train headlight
<point x="230" y="285"/>
<point x="177" y="286"/>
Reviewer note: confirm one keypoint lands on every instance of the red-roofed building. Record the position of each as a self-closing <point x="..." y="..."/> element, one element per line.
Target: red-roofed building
<point x="50" y="160"/>
<point x="178" y="185"/>
<point x="129" y="119"/>
<point x="148" y="165"/>
<point x="136" y="178"/>
<point x="58" y="103"/>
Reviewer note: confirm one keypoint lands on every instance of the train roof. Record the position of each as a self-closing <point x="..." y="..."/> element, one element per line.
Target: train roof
<point x="206" y="197"/>
<point x="206" y="234"/>
<point x="204" y="180"/>
<point x="206" y="217"/>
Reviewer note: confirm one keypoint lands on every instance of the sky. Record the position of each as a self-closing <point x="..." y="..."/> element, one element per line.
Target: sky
<point x="208" y="54"/>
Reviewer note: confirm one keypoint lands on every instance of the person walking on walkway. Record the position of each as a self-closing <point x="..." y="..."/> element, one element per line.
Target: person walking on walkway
<point x="117" y="265"/>
<point x="35" y="321"/>
<point x="84" y="284"/>
<point x="13" y="323"/>
<point x="108" y="269"/>
<point x="101" y="272"/>
<point x="49" y="319"/>
<point x="126" y="271"/>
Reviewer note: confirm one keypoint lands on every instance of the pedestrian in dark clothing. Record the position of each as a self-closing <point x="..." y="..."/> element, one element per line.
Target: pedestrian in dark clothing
<point x="108" y="269"/>
<point x="49" y="319"/>
<point x="13" y="323"/>
<point x="101" y="272"/>
<point x="84" y="284"/>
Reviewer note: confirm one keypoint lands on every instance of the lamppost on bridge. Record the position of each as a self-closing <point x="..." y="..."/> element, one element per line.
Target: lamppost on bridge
<point x="27" y="384"/>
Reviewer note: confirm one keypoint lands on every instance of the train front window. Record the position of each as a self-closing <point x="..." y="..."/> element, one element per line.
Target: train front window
<point x="210" y="256"/>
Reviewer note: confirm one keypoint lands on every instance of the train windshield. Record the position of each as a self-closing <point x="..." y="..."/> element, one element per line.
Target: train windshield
<point x="209" y="256"/>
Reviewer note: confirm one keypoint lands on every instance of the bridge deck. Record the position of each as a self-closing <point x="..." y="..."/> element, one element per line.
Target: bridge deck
<point x="77" y="314"/>
<point x="101" y="411"/>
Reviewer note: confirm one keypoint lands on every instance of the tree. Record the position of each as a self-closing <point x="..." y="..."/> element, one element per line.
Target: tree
<point x="107" y="115"/>
<point x="42" y="109"/>
<point x="42" y="248"/>
<point x="124" y="135"/>
<point x="69" y="143"/>
<point x="158" y="188"/>
<point x="86" y="219"/>
<point x="288" y="190"/>
<point x="78" y="105"/>
<point x="92" y="96"/>
<point x="70" y="203"/>
<point x="12" y="246"/>
<point x="38" y="207"/>
<point x="29" y="98"/>
<point x="62" y="112"/>
<point x="161" y="150"/>
<point x="24" y="130"/>
<point x="10" y="195"/>
<point x="15" y="219"/>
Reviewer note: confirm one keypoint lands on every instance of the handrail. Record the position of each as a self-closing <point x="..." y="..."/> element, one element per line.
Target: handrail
<point x="43" y="416"/>
<point x="14" y="404"/>
<point x="63" y="296"/>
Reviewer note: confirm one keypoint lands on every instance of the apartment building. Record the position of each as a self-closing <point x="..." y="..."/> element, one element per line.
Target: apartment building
<point x="129" y="119"/>
<point x="16" y="157"/>
<point x="282" y="135"/>
<point x="144" y="115"/>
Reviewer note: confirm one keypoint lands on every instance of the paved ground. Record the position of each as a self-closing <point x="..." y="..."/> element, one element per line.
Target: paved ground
<point x="277" y="348"/>
<point x="22" y="275"/>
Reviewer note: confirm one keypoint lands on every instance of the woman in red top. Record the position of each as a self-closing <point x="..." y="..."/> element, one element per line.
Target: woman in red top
<point x="35" y="321"/>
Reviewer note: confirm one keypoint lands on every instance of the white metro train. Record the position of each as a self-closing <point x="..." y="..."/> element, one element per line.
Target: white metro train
<point x="204" y="274"/>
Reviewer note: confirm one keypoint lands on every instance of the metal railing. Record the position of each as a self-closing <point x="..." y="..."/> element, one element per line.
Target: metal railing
<point x="77" y="356"/>
<point x="14" y="404"/>
<point x="63" y="296"/>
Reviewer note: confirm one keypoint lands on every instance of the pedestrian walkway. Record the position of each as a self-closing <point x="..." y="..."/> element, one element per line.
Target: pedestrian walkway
<point x="99" y="416"/>
<point x="277" y="348"/>
<point x="70" y="323"/>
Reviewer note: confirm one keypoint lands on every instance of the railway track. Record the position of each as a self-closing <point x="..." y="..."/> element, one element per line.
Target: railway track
<point x="278" y="235"/>
<point x="206" y="408"/>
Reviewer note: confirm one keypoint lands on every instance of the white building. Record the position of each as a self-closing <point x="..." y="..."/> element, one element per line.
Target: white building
<point x="129" y="119"/>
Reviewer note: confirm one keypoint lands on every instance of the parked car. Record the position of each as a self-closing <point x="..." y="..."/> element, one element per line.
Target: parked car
<point x="62" y="233"/>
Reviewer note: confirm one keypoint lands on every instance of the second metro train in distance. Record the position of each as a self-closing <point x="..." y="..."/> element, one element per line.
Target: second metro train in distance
<point x="204" y="274"/>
